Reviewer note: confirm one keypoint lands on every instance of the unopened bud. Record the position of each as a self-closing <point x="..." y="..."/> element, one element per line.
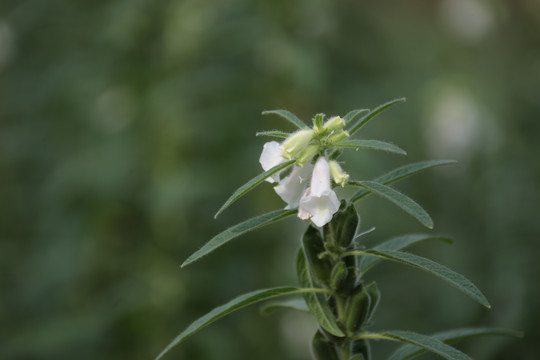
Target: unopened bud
<point x="296" y="142"/>
<point x="318" y="123"/>
<point x="338" y="136"/>
<point x="340" y="177"/>
<point x="306" y="155"/>
<point x="333" y="124"/>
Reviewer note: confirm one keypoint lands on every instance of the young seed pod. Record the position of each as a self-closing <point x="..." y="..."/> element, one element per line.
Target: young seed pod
<point x="323" y="349"/>
<point x="374" y="296"/>
<point x="357" y="309"/>
<point x="342" y="228"/>
<point x="338" y="276"/>
<point x="313" y="246"/>
<point x="360" y="347"/>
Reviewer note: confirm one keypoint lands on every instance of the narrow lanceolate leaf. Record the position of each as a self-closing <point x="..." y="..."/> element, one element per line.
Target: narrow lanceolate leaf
<point x="288" y="116"/>
<point x="400" y="173"/>
<point x="242" y="190"/>
<point x="273" y="133"/>
<point x="235" y="304"/>
<point x="398" y="243"/>
<point x="317" y="303"/>
<point x="426" y="342"/>
<point x="353" y="114"/>
<point x="401" y="200"/>
<point x="370" y="144"/>
<point x="455" y="279"/>
<point x="363" y="120"/>
<point x="408" y="351"/>
<point x="298" y="304"/>
<point x="237" y="230"/>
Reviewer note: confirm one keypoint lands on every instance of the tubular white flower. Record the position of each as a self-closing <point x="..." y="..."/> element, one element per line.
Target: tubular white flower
<point x="271" y="156"/>
<point x="292" y="187"/>
<point x="320" y="203"/>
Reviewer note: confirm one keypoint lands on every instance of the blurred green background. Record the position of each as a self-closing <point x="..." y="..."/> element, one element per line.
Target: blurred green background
<point x="124" y="125"/>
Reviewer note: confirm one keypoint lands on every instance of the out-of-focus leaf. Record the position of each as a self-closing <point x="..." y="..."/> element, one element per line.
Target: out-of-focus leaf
<point x="363" y="120"/>
<point x="237" y="230"/>
<point x="370" y="144"/>
<point x="398" y="243"/>
<point x="242" y="190"/>
<point x="288" y="116"/>
<point x="401" y="200"/>
<point x="426" y="342"/>
<point x="408" y="351"/>
<point x="353" y="114"/>
<point x="317" y="303"/>
<point x="273" y="133"/>
<point x="234" y="304"/>
<point x="294" y="304"/>
<point x="441" y="271"/>
<point x="400" y="173"/>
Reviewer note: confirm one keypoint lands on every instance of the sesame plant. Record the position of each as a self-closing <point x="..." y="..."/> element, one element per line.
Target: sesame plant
<point x="332" y="263"/>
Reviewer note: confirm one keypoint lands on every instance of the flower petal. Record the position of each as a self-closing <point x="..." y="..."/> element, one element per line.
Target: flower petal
<point x="321" y="208"/>
<point x="270" y="157"/>
<point x="292" y="187"/>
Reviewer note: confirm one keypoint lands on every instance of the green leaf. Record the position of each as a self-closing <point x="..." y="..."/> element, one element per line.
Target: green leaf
<point x="408" y="351"/>
<point x="455" y="279"/>
<point x="317" y="303"/>
<point x="398" y="243"/>
<point x="288" y="116"/>
<point x="353" y="114"/>
<point x="370" y="144"/>
<point x="294" y="304"/>
<point x="273" y="133"/>
<point x="234" y="304"/>
<point x="400" y="173"/>
<point x="242" y="190"/>
<point x="401" y="200"/>
<point x="237" y="230"/>
<point x="363" y="120"/>
<point x="426" y="342"/>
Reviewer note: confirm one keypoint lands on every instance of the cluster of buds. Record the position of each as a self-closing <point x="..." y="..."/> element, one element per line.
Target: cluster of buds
<point x="308" y="186"/>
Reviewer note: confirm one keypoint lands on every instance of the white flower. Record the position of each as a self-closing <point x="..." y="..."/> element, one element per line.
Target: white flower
<point x="291" y="188"/>
<point x="319" y="203"/>
<point x="270" y="157"/>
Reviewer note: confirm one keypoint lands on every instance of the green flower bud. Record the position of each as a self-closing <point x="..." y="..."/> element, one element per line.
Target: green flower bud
<point x="357" y="309"/>
<point x="338" y="136"/>
<point x="322" y="348"/>
<point x="306" y="155"/>
<point x="340" y="177"/>
<point x="333" y="124"/>
<point x="296" y="142"/>
<point x="318" y="123"/>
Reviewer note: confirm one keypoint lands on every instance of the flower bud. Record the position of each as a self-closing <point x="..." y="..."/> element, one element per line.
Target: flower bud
<point x="318" y="123"/>
<point x="296" y="142"/>
<point x="340" y="177"/>
<point x="333" y="124"/>
<point x="306" y="155"/>
<point x="338" y="136"/>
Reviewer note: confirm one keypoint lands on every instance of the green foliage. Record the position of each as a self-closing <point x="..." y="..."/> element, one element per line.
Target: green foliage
<point x="397" y="243"/>
<point x="370" y="144"/>
<point x="401" y="200"/>
<point x="363" y="120"/>
<point x="237" y="230"/>
<point x="458" y="280"/>
<point x="273" y="133"/>
<point x="317" y="303"/>
<point x="234" y="304"/>
<point x="244" y="189"/>
<point x="400" y="173"/>
<point x="426" y="342"/>
<point x="298" y="304"/>
<point x="293" y="119"/>
<point x="408" y="351"/>
<point x="353" y="114"/>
